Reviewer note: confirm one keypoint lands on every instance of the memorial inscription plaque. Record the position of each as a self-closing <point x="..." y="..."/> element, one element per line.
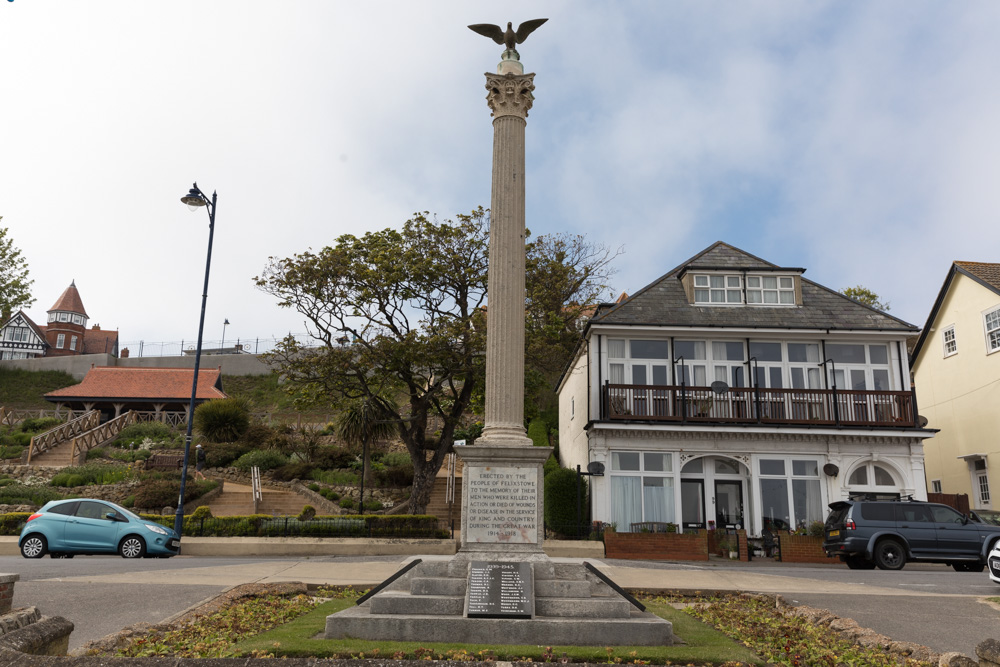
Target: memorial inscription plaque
<point x="502" y="504"/>
<point x="500" y="590"/>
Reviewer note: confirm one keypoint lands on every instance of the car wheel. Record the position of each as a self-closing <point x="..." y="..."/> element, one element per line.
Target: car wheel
<point x="859" y="563"/>
<point x="889" y="555"/>
<point x="34" y="546"/>
<point x="132" y="547"/>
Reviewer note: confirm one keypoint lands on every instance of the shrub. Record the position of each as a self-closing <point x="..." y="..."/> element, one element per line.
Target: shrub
<point x="396" y="476"/>
<point x="68" y="480"/>
<point x="11" y="451"/>
<point x="129" y="502"/>
<point x="222" y="454"/>
<point x="91" y="473"/>
<point x="390" y="459"/>
<point x="202" y="512"/>
<point x="222" y="420"/>
<point x="20" y="494"/>
<point x="39" y="424"/>
<point x="257" y="435"/>
<point x="551" y="464"/>
<point x="347" y="503"/>
<point x="314" y="487"/>
<point x="261" y="458"/>
<point x="307" y="513"/>
<point x="136" y="433"/>
<point x="560" y="500"/>
<point x="538" y="431"/>
<point x="372" y="505"/>
<point x="126" y="455"/>
<point x="292" y="471"/>
<point x="337" y="477"/>
<point x="331" y="458"/>
<point x="160" y="493"/>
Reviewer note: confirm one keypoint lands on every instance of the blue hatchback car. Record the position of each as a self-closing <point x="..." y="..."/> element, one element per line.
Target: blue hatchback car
<point x="83" y="526"/>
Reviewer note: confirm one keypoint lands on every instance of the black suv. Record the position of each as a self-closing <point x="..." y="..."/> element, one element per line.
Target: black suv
<point x="869" y="533"/>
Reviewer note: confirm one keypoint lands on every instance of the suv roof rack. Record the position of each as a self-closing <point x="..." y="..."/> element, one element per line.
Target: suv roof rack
<point x="884" y="497"/>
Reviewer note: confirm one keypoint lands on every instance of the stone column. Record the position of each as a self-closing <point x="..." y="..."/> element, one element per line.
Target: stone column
<point x="502" y="491"/>
<point x="509" y="99"/>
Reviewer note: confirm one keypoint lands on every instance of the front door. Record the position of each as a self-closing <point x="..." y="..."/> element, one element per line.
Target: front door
<point x="729" y="504"/>
<point x="693" y="503"/>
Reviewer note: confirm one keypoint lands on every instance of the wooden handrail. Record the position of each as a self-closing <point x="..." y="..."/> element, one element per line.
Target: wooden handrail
<point x="60" y="434"/>
<point x="100" y="435"/>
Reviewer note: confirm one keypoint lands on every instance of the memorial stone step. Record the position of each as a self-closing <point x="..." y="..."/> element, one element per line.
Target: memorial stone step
<point x="437" y="586"/>
<point x="428" y="605"/>
<point x="575" y="608"/>
<point x="562" y="588"/>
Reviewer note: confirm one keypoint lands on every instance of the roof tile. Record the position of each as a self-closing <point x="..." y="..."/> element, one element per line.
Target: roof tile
<point x="106" y="382"/>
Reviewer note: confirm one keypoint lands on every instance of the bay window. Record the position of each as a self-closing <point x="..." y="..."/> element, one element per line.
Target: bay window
<point x="642" y="488"/>
<point x="790" y="493"/>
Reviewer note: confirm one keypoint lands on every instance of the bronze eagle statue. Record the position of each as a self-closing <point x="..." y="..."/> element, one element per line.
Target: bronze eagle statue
<point x="508" y="37"/>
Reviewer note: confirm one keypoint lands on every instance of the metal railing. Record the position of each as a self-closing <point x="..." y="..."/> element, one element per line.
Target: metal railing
<point x="744" y="405"/>
<point x="184" y="347"/>
<point x="63" y="433"/>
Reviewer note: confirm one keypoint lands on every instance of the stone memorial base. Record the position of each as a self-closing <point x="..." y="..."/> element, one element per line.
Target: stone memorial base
<point x="571" y="606"/>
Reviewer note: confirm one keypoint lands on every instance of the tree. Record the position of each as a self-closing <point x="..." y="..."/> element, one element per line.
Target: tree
<point x="867" y="297"/>
<point x="365" y="422"/>
<point x="566" y="277"/>
<point x="15" y="287"/>
<point x="410" y="305"/>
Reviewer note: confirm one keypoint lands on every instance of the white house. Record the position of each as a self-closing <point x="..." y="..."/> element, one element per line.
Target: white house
<point x="736" y="393"/>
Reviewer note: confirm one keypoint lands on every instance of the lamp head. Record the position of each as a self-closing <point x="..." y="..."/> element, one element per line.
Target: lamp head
<point x="194" y="199"/>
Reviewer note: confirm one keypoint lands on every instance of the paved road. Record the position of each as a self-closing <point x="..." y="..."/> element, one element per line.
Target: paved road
<point x="928" y="604"/>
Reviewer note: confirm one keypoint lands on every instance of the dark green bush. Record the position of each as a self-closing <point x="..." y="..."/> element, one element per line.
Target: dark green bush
<point x="156" y="494"/>
<point x="68" y="480"/>
<point x="125" y="455"/>
<point x="222" y="420"/>
<point x="257" y="435"/>
<point x="222" y="454"/>
<point x="395" y="476"/>
<point x="372" y="505"/>
<point x="551" y="464"/>
<point x="264" y="459"/>
<point x="561" y="501"/>
<point x="291" y="471"/>
<point x="11" y="451"/>
<point x="307" y="513"/>
<point x="262" y="525"/>
<point x="19" y="494"/>
<point x="7" y="481"/>
<point x="332" y="458"/>
<point x="314" y="487"/>
<point x="11" y="524"/>
<point x="39" y="424"/>
<point x="347" y="503"/>
<point x="538" y="431"/>
<point x="91" y="473"/>
<point x="136" y="433"/>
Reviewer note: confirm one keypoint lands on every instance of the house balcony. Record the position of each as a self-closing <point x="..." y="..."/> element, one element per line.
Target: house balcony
<point x="838" y="408"/>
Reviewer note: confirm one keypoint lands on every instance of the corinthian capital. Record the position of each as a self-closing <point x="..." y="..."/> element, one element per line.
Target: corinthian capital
<point x="510" y="94"/>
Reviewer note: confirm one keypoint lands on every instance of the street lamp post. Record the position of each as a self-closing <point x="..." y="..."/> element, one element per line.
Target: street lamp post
<point x="223" y="344"/>
<point x="195" y="199"/>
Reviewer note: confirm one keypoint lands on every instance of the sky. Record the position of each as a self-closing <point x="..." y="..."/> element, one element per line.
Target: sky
<point x="859" y="140"/>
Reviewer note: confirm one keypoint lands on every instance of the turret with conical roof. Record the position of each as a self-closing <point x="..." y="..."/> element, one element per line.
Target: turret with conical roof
<point x="66" y="323"/>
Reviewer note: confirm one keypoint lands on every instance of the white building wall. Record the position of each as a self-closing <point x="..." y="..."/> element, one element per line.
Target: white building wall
<point x="574" y="413"/>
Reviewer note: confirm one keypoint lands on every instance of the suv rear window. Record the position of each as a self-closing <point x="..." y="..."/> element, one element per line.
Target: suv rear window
<point x="878" y="512"/>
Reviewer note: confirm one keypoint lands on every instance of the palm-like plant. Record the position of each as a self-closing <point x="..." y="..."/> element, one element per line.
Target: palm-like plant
<point x="367" y="420"/>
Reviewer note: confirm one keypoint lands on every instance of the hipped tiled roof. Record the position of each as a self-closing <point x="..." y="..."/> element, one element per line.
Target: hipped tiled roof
<point x="664" y="302"/>
<point x="70" y="301"/>
<point x="165" y="384"/>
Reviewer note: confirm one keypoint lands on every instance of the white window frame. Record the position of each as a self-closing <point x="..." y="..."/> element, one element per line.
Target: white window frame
<point x="64" y="317"/>
<point x="870" y="486"/>
<point x="673" y="473"/>
<point x="991" y="327"/>
<point x="718" y="289"/>
<point x="790" y="477"/>
<point x="72" y="342"/>
<point x="760" y="289"/>
<point x="948" y="341"/>
<point x="936" y="486"/>
<point x="60" y="341"/>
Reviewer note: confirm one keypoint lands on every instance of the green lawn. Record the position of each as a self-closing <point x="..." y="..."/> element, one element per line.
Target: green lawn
<point x="24" y="390"/>
<point x="704" y="645"/>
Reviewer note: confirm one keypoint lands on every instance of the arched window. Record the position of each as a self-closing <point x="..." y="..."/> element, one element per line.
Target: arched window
<point x="872" y="475"/>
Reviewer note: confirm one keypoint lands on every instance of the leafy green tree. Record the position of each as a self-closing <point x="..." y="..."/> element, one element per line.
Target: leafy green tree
<point x="566" y="277"/>
<point x="409" y="302"/>
<point x="402" y="313"/>
<point x="15" y="287"/>
<point x="867" y="297"/>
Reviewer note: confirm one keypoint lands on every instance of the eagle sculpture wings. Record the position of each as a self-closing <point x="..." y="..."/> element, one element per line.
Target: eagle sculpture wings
<point x="507" y="37"/>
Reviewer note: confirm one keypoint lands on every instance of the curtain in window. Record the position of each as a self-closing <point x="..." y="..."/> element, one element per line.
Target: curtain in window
<point x="774" y="503"/>
<point x="626" y="502"/>
<point x="808" y="507"/>
<point x="658" y="498"/>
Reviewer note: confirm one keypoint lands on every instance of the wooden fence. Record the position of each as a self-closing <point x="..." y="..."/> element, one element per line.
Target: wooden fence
<point x="60" y="434"/>
<point x="99" y="435"/>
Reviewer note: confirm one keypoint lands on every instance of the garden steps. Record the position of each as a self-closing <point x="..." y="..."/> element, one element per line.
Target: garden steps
<point x="60" y="456"/>
<point x="437" y="506"/>
<point x="236" y="500"/>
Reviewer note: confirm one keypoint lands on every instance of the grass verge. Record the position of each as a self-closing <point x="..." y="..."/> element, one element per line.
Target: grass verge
<point x="705" y="645"/>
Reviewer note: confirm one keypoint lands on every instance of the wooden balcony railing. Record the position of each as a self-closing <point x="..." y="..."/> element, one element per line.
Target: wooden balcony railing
<point x="738" y="405"/>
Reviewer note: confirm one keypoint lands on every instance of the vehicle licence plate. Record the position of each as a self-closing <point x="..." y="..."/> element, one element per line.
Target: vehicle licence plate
<point x="833" y="533"/>
<point x="176" y="544"/>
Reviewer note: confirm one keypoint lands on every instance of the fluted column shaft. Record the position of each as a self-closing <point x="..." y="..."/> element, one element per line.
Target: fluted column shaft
<point x="509" y="98"/>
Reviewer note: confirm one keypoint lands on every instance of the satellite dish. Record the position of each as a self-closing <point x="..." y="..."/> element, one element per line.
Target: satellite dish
<point x="595" y="468"/>
<point x="921" y="421"/>
<point x="831" y="469"/>
<point x="720" y="387"/>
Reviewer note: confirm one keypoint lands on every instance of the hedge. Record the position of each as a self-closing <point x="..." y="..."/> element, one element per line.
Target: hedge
<point x="265" y="525"/>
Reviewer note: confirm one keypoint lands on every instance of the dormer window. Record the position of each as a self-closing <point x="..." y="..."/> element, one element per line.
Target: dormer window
<point x="717" y="289"/>
<point x="771" y="290"/>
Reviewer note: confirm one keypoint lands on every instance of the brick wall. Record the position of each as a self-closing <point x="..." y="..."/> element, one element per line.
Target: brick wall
<point x="802" y="549"/>
<point x="656" y="546"/>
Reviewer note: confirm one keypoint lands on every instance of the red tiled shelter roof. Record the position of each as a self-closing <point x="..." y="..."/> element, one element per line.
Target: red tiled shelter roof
<point x="136" y="384"/>
<point x="70" y="301"/>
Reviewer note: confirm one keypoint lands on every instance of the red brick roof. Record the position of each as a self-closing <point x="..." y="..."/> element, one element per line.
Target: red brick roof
<point x="985" y="271"/>
<point x="171" y="384"/>
<point x="105" y="341"/>
<point x="70" y="301"/>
